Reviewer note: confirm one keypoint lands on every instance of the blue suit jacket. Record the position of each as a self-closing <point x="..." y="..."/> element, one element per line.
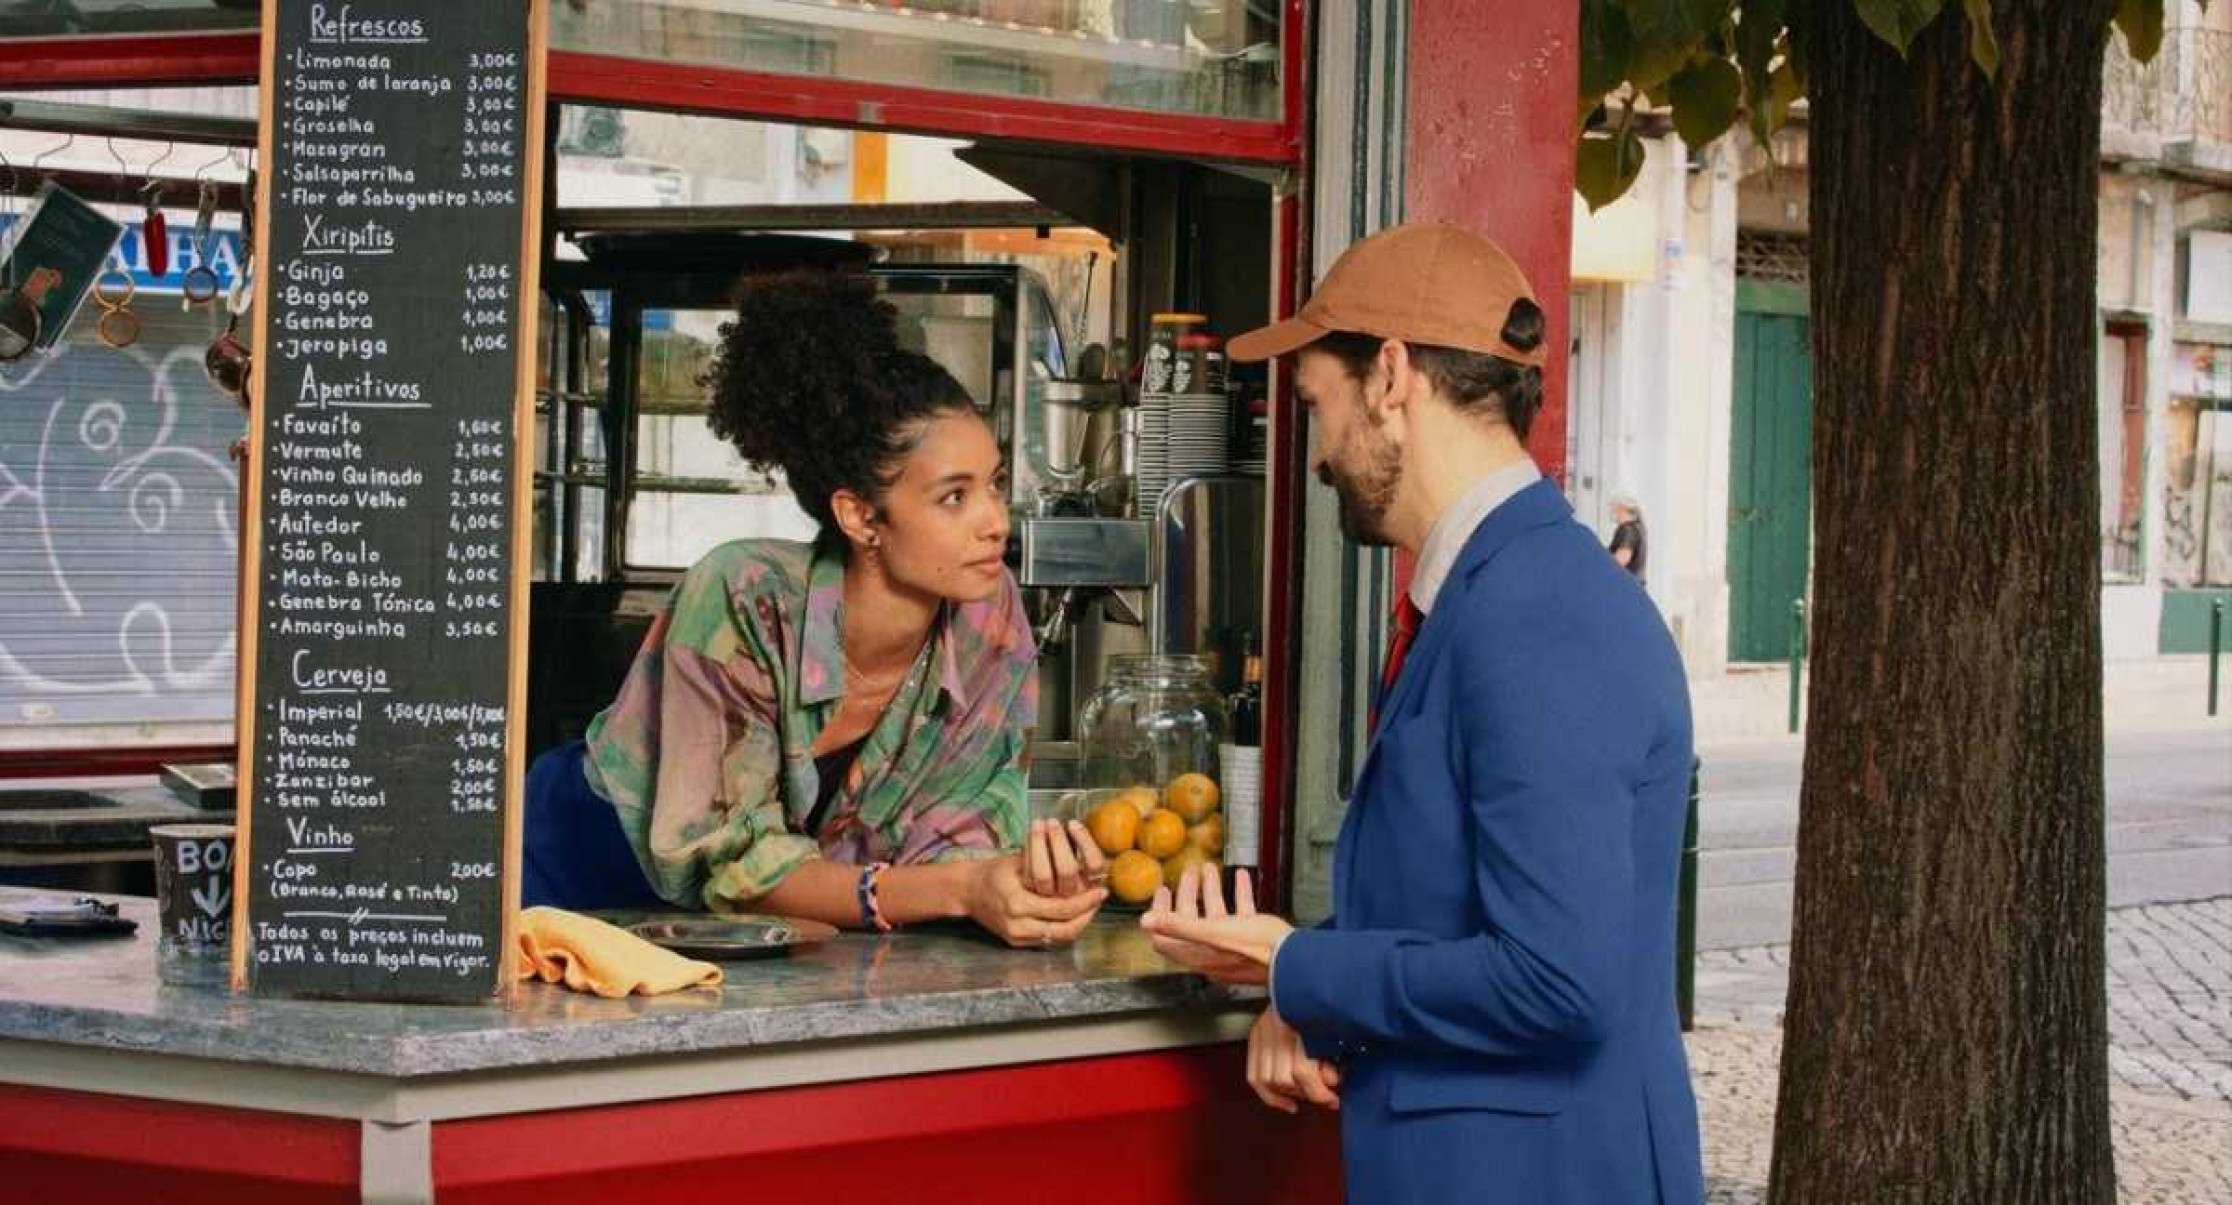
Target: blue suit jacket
<point x="1498" y="978"/>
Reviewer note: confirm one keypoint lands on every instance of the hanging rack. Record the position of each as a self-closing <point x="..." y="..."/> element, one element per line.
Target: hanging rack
<point x="147" y="125"/>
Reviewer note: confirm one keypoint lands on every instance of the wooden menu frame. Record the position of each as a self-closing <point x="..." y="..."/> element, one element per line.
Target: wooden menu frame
<point x="531" y="183"/>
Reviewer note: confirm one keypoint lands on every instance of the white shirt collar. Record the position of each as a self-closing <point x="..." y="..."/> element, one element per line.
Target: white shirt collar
<point x="1455" y="528"/>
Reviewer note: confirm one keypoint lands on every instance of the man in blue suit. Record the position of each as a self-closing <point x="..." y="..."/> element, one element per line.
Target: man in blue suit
<point x="1491" y="1007"/>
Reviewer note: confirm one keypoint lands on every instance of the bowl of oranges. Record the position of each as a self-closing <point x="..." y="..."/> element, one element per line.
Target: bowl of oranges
<point x="1151" y="834"/>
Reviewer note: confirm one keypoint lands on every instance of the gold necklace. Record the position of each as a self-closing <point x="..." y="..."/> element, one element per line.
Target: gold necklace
<point x="882" y="685"/>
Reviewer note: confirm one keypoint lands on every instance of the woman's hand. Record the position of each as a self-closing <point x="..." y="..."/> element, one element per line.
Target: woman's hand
<point x="1282" y="1073"/>
<point x="1195" y="931"/>
<point x="999" y="899"/>
<point x="1062" y="860"/>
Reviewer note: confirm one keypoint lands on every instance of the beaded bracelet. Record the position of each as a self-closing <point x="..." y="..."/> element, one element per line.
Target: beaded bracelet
<point x="871" y="908"/>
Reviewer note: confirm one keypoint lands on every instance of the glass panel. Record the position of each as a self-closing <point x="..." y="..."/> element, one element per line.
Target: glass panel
<point x="956" y="330"/>
<point x="1214" y="58"/>
<point x="129" y="16"/>
<point x="1208" y="58"/>
<point x="692" y="492"/>
<point x="630" y="158"/>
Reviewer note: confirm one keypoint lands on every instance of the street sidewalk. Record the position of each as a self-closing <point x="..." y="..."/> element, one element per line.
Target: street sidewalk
<point x="2168" y="1151"/>
<point x="1751" y="703"/>
<point x="2170" y="1056"/>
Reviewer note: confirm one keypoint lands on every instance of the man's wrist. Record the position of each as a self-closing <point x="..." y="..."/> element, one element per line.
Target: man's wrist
<point x="1271" y="968"/>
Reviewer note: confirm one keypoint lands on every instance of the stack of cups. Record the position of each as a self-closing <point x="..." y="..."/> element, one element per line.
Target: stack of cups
<point x="1200" y="429"/>
<point x="1151" y="474"/>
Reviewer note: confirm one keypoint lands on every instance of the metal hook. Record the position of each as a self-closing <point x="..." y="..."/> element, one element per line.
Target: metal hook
<point x="68" y="141"/>
<point x="203" y="171"/>
<point x="123" y="169"/>
<point x="169" y="149"/>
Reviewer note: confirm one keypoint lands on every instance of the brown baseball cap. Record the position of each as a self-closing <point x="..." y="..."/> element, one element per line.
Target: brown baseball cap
<point x="1431" y="282"/>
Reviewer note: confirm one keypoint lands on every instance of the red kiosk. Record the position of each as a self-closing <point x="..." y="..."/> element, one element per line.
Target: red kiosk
<point x="924" y="1066"/>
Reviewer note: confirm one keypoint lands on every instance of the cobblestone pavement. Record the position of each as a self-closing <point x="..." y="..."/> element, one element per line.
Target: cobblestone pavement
<point x="2169" y="996"/>
<point x="2168" y="1151"/>
<point x="2170" y="1035"/>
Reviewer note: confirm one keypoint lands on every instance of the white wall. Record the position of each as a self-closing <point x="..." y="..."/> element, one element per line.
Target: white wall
<point x="1671" y="396"/>
<point x="1653" y="393"/>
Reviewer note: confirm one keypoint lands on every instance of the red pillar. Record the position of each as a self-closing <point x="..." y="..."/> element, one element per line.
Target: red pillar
<point x="1490" y="146"/>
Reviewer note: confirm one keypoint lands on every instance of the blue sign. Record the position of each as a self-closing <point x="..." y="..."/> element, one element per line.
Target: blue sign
<point x="131" y="256"/>
<point x="600" y="312"/>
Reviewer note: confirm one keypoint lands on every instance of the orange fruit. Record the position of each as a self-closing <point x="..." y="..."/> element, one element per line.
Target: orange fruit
<point x="1161" y="834"/>
<point x="1208" y="836"/>
<point x="1176" y="866"/>
<point x="1142" y="799"/>
<point x="1114" y="825"/>
<point x="1192" y="796"/>
<point x="1133" y="876"/>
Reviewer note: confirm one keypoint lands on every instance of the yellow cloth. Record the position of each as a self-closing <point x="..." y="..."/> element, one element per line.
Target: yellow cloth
<point x="588" y="955"/>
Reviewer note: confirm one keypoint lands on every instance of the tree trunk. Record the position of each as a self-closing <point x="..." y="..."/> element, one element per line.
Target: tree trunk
<point x="1946" y="1036"/>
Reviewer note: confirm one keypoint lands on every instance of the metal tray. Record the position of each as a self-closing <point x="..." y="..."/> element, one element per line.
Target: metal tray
<point x="726" y="938"/>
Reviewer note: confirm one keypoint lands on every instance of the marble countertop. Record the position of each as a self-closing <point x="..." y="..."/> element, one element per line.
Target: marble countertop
<point x="38" y="818"/>
<point x="103" y="993"/>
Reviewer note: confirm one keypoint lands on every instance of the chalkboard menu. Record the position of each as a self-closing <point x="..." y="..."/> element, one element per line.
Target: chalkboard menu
<point x="395" y="288"/>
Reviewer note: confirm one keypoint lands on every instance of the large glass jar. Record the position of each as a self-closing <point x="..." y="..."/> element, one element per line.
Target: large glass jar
<point x="1149" y="741"/>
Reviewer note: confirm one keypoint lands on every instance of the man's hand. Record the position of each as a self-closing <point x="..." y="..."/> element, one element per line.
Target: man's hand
<point x="1194" y="930"/>
<point x="1282" y="1074"/>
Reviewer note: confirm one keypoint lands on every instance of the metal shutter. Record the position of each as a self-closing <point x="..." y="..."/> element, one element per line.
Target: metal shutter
<point x="118" y="535"/>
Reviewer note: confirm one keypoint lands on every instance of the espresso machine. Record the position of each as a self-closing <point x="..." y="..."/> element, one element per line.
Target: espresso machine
<point x="1084" y="559"/>
<point x="1107" y="571"/>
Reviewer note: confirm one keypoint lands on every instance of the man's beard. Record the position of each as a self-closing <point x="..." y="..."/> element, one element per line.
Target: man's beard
<point x="1368" y="489"/>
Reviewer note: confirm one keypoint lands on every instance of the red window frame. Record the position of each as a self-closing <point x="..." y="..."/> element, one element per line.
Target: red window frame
<point x="152" y="60"/>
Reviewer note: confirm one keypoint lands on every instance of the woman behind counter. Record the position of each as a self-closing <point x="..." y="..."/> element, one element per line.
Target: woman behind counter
<point x="836" y="730"/>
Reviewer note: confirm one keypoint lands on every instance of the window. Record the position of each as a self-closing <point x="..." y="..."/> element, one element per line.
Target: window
<point x="2123" y="450"/>
<point x="691" y="493"/>
<point x="119" y="531"/>
<point x="2197" y="468"/>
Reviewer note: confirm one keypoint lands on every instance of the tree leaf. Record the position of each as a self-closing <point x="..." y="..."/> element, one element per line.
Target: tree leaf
<point x="1756" y="29"/>
<point x="1651" y="64"/>
<point x="1770" y="102"/>
<point x="1706" y="98"/>
<point x="1897" y="21"/>
<point x="1606" y="46"/>
<point x="1983" y="43"/>
<point x="1795" y="45"/>
<point x="1605" y="165"/>
<point x="1664" y="35"/>
<point x="1674" y="19"/>
<point x="2141" y="23"/>
<point x="1784" y="89"/>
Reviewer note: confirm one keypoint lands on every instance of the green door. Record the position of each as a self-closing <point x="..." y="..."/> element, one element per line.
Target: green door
<point x="1770" y="471"/>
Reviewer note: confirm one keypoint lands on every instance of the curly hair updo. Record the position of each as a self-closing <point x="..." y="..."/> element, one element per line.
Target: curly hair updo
<point x="810" y="379"/>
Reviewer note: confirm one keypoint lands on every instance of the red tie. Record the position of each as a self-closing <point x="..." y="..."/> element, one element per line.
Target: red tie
<point x="1407" y="620"/>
